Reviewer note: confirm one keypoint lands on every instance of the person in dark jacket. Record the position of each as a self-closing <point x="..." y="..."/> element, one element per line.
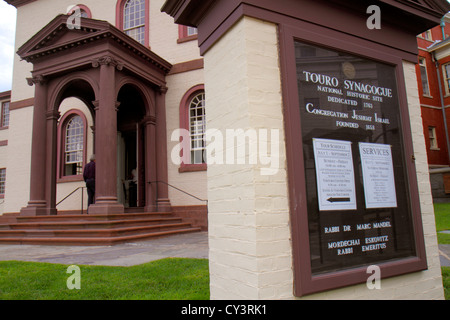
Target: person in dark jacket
<point x="89" y="178"/>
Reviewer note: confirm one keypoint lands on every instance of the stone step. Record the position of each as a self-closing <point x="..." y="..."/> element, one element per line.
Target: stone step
<point x="8" y="218"/>
<point x="81" y="224"/>
<point x="85" y="229"/>
<point x="73" y="233"/>
<point x="92" y="241"/>
<point x="92" y="217"/>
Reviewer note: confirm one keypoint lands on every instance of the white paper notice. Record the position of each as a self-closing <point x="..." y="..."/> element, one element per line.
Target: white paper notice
<point x="378" y="175"/>
<point x="335" y="175"/>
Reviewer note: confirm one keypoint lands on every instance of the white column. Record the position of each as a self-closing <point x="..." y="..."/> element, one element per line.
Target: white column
<point x="249" y="234"/>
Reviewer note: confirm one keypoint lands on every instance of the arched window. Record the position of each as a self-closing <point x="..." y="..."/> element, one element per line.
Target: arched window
<point x="80" y="10"/>
<point x="197" y="124"/>
<point x="74" y="146"/>
<point x="193" y="130"/>
<point x="134" y="19"/>
<point x="84" y="14"/>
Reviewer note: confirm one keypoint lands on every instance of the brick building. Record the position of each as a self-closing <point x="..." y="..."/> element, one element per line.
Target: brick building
<point x="433" y="71"/>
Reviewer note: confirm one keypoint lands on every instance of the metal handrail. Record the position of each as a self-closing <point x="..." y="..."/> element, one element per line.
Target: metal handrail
<point x="187" y="193"/>
<point x="82" y="200"/>
<point x="150" y="182"/>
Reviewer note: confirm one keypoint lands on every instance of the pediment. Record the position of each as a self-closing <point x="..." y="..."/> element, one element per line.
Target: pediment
<point x="59" y="36"/>
<point x="60" y="32"/>
<point x="58" y="48"/>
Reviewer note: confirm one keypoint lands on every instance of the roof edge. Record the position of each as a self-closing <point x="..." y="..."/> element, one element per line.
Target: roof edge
<point x="18" y="3"/>
<point x="190" y="12"/>
<point x="187" y="12"/>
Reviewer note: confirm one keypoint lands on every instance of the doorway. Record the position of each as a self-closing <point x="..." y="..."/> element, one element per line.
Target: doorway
<point x="130" y="149"/>
<point x="128" y="179"/>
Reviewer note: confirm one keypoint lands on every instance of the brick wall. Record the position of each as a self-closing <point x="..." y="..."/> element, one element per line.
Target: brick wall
<point x="195" y="215"/>
<point x="249" y="233"/>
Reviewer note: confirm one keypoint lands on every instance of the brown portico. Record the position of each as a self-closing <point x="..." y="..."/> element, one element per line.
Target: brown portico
<point x="95" y="63"/>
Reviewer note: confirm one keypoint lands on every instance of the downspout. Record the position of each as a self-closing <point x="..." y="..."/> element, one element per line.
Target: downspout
<point x="442" y="28"/>
<point x="442" y="104"/>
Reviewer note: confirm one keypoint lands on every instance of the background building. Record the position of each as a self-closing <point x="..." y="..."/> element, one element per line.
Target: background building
<point x="433" y="72"/>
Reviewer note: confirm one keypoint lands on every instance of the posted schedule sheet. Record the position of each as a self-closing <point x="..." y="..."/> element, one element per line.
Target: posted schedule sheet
<point x="335" y="175"/>
<point x="378" y="175"/>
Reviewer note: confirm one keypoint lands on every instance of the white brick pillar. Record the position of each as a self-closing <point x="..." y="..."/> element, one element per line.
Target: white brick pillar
<point x="249" y="233"/>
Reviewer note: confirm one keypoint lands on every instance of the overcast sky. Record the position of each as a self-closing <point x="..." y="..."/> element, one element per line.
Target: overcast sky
<point x="7" y="32"/>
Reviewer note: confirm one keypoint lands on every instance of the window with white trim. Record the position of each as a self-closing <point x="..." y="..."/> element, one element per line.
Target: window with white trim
<point x="134" y="19"/>
<point x="427" y="35"/>
<point x="74" y="146"/>
<point x="432" y="138"/>
<point x="446" y="75"/>
<point x="424" y="76"/>
<point x="197" y="124"/>
<point x="190" y="31"/>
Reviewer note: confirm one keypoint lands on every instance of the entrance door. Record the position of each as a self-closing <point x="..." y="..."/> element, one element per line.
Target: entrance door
<point x="128" y="178"/>
<point x="131" y="147"/>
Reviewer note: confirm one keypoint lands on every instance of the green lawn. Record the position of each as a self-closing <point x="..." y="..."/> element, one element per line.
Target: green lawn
<point x="446" y="280"/>
<point x="442" y="215"/>
<point x="167" y="279"/>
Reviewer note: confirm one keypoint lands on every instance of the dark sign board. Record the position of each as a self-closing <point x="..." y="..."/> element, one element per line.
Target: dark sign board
<point x="359" y="211"/>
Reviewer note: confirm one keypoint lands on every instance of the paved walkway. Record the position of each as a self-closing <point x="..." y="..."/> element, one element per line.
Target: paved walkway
<point x="190" y="245"/>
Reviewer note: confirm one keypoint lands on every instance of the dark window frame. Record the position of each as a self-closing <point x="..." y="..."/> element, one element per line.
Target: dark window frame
<point x="2" y="195"/>
<point x="304" y="281"/>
